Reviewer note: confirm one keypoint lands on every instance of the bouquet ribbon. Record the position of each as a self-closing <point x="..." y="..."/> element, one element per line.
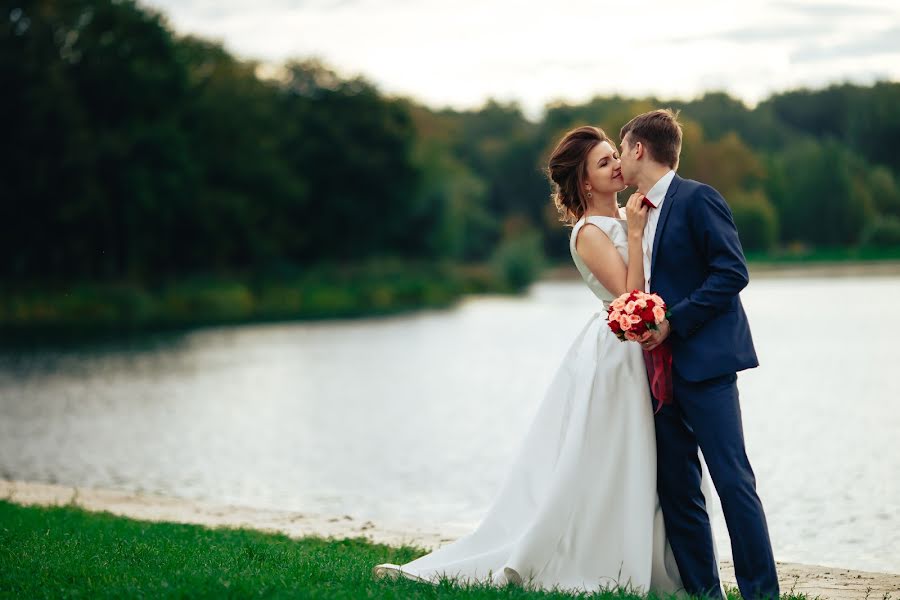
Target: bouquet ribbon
<point x="659" y="371"/>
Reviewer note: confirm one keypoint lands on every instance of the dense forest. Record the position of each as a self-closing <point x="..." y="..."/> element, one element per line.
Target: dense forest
<point x="131" y="153"/>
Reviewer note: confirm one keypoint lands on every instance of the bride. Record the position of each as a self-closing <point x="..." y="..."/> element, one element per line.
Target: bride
<point x="578" y="509"/>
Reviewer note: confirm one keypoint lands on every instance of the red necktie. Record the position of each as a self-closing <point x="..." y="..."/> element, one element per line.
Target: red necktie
<point x="646" y="202"/>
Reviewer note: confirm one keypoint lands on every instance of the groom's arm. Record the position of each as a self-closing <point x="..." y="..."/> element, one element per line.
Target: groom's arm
<point x="713" y="229"/>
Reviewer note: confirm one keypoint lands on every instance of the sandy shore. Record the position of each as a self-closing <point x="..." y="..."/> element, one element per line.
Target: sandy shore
<point x="815" y="581"/>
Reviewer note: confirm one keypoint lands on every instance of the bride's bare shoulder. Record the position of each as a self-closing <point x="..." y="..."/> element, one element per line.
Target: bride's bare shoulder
<point x="590" y="239"/>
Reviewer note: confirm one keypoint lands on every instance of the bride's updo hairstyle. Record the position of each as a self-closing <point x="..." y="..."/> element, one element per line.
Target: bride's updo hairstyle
<point x="567" y="170"/>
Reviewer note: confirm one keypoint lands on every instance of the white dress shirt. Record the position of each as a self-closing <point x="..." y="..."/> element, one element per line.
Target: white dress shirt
<point x="656" y="196"/>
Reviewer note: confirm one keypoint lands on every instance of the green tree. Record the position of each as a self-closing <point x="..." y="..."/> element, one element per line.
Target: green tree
<point x="719" y="115"/>
<point x="820" y="195"/>
<point x="756" y="220"/>
<point x="885" y="191"/>
<point x="251" y="205"/>
<point x="98" y="87"/>
<point x="727" y="164"/>
<point x="873" y="124"/>
<point x="519" y="257"/>
<point x="464" y="228"/>
<point x="356" y="151"/>
<point x="882" y="234"/>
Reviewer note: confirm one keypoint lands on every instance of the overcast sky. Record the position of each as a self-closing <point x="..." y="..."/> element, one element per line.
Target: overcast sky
<point x="461" y="52"/>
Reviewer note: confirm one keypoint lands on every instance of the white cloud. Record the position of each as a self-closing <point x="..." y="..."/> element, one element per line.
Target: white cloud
<point x="461" y="53"/>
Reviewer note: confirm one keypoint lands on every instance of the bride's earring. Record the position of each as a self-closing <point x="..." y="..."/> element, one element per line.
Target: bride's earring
<point x="589" y="194"/>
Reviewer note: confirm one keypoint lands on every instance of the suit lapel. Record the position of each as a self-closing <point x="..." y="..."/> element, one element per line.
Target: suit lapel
<point x="671" y="194"/>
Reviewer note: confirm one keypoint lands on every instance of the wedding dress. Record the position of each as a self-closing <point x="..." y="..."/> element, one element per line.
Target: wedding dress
<point x="578" y="509"/>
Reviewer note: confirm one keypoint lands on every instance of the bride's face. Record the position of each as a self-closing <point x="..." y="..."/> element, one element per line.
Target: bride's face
<point x="603" y="169"/>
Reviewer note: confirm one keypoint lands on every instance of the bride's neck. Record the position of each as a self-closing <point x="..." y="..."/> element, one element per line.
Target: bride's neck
<point x="602" y="206"/>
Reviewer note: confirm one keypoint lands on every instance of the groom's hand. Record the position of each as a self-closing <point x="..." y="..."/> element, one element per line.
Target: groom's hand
<point x="657" y="337"/>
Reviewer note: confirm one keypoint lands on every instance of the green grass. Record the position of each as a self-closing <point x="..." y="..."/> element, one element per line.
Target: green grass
<point x="66" y="552"/>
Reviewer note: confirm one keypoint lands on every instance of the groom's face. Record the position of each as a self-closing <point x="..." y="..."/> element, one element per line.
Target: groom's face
<point x="629" y="162"/>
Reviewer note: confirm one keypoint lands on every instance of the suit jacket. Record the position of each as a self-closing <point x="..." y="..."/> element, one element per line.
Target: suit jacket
<point x="698" y="268"/>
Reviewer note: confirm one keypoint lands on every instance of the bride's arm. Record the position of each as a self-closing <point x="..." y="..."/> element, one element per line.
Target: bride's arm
<point x="601" y="257"/>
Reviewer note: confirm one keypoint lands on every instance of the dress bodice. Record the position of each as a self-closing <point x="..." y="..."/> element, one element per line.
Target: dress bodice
<point x="617" y="231"/>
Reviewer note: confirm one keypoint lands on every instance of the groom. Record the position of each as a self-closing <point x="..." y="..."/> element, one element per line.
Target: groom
<point x="694" y="261"/>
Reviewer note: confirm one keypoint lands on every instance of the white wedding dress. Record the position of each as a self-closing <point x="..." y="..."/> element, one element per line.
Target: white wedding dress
<point x="578" y="509"/>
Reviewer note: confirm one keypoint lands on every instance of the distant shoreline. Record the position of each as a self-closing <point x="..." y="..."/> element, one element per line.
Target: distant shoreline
<point x="108" y="311"/>
<point x="849" y="268"/>
<point x="780" y="270"/>
<point x="40" y="312"/>
<point x="813" y="580"/>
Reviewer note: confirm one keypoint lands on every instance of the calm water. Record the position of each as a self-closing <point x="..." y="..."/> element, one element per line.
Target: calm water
<point x="414" y="419"/>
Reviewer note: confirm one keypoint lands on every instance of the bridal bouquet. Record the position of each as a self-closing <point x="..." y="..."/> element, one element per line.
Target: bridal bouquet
<point x="630" y="317"/>
<point x="633" y="314"/>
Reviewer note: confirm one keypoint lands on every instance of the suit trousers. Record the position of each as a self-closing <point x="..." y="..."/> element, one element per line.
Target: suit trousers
<point x="707" y="415"/>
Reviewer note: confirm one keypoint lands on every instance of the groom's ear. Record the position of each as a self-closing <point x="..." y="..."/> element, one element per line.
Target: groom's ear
<point x="629" y="144"/>
<point x="638" y="149"/>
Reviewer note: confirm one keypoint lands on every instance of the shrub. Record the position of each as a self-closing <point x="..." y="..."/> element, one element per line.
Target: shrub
<point x="519" y="259"/>
<point x="756" y="220"/>
<point x="882" y="233"/>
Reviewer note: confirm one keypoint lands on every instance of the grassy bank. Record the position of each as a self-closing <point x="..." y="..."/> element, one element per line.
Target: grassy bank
<point x="65" y="552"/>
<point x="319" y="293"/>
<point x="802" y="255"/>
<point x="43" y="310"/>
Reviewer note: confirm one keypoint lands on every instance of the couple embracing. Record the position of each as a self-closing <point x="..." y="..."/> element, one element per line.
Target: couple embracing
<point x="604" y="492"/>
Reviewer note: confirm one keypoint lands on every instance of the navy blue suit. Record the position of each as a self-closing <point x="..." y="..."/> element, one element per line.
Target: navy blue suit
<point x="698" y="268"/>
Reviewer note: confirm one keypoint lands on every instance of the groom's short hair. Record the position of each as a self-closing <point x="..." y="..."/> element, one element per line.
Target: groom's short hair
<point x="660" y="133"/>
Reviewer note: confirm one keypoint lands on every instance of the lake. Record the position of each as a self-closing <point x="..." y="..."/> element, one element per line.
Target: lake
<point x="413" y="419"/>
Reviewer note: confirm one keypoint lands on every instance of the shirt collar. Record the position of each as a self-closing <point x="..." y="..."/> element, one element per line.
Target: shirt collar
<point x="657" y="193"/>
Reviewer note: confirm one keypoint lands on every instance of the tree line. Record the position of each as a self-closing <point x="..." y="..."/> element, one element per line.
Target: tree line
<point x="132" y="153"/>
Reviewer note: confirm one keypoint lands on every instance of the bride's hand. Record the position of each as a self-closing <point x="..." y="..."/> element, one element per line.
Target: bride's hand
<point x="636" y="215"/>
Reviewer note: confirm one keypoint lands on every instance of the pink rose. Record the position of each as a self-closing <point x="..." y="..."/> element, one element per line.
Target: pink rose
<point x="659" y="314"/>
<point x="629" y="307"/>
<point x="657" y="300"/>
<point x="624" y="322"/>
<point x="641" y="302"/>
<point x="631" y="336"/>
<point x="618" y="304"/>
<point x="614" y="315"/>
<point x="634" y="319"/>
